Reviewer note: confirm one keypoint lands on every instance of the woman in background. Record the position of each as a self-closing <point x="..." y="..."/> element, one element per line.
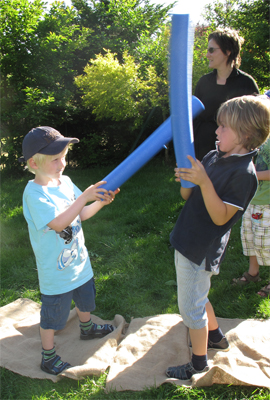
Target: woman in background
<point x="225" y="82"/>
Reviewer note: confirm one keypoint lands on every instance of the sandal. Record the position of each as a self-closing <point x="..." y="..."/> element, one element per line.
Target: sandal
<point x="184" y="372"/>
<point x="265" y="291"/>
<point x="248" y="278"/>
<point x="55" y="366"/>
<point x="96" y="331"/>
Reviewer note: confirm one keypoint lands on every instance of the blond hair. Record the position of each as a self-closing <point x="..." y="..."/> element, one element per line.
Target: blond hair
<point x="249" y="117"/>
<point x="40" y="159"/>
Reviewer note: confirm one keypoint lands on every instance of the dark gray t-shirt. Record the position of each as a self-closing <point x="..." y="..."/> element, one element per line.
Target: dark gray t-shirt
<point x="195" y="235"/>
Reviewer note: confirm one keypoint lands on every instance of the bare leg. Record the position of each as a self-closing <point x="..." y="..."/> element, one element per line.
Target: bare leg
<point x="83" y="316"/>
<point x="199" y="338"/>
<point x="253" y="266"/>
<point x="212" y="321"/>
<point x="47" y="338"/>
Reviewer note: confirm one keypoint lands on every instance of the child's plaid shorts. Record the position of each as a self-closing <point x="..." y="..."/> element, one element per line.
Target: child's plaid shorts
<point x="255" y="233"/>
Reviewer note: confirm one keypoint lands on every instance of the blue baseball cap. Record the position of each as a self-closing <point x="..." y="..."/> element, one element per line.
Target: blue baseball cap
<point x="44" y="140"/>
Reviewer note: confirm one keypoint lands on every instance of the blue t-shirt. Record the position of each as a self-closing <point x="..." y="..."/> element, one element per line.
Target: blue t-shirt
<point x="62" y="259"/>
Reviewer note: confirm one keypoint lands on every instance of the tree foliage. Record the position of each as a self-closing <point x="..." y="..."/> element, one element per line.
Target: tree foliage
<point x="251" y="19"/>
<point x="42" y="51"/>
<point x="154" y="51"/>
<point x="200" y="62"/>
<point x="98" y="70"/>
<point x="119" y="25"/>
<point x="118" y="91"/>
<point x="38" y="63"/>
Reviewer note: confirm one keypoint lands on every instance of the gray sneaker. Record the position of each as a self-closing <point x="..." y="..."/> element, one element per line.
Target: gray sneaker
<point x="223" y="345"/>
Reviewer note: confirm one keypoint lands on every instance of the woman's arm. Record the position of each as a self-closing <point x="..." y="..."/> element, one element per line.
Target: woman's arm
<point x="263" y="175"/>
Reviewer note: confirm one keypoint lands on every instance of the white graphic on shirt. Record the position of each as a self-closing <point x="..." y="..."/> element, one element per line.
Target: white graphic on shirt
<point x="67" y="256"/>
<point x="71" y="234"/>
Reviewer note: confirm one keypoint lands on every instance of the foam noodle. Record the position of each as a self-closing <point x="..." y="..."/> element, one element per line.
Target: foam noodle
<point x="147" y="150"/>
<point x="181" y="53"/>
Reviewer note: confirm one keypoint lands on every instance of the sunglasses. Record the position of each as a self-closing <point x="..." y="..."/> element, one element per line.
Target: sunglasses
<point x="212" y="49"/>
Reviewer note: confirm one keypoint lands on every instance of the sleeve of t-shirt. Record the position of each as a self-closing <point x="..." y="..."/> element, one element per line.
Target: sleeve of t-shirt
<point x="41" y="209"/>
<point x="240" y="191"/>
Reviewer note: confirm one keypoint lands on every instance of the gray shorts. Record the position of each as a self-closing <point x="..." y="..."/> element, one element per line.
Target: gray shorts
<point x="193" y="285"/>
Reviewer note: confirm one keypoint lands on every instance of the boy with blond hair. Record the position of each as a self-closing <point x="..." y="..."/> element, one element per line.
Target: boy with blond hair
<point x="225" y="184"/>
<point x="54" y="208"/>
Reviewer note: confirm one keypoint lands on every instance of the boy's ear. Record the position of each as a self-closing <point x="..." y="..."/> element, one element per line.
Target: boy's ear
<point x="32" y="163"/>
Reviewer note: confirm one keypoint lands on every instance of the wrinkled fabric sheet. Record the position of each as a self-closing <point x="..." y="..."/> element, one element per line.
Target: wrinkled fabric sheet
<point x="137" y="354"/>
<point x="154" y="343"/>
<point x="21" y="344"/>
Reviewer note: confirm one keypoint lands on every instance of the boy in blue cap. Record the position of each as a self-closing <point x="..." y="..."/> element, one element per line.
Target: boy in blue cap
<point x="54" y="209"/>
<point x="225" y="184"/>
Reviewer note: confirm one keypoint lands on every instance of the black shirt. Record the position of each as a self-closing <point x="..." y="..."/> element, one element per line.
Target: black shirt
<point x="212" y="96"/>
<point x="195" y="235"/>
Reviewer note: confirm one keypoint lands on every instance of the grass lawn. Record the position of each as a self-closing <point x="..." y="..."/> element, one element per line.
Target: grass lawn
<point x="133" y="264"/>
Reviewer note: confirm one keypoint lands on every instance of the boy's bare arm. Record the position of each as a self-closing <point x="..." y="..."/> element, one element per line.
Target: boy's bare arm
<point x="263" y="175"/>
<point x="185" y="192"/>
<point x="92" y="193"/>
<point x="219" y="211"/>
<point x="90" y="210"/>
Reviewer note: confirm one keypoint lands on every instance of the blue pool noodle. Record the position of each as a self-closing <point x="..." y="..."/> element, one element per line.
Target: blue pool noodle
<point x="181" y="53"/>
<point x="147" y="150"/>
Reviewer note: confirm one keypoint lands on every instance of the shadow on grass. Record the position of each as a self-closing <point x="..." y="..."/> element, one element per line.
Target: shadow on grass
<point x="132" y="262"/>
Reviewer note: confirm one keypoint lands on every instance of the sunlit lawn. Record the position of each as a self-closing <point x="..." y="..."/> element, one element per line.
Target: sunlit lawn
<point x="133" y="264"/>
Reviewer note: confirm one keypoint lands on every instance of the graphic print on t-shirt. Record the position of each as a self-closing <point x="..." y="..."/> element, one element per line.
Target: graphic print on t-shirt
<point x="70" y="235"/>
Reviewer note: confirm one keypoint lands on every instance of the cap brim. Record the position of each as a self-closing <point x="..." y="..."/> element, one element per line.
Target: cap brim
<point x="55" y="147"/>
<point x="58" y="146"/>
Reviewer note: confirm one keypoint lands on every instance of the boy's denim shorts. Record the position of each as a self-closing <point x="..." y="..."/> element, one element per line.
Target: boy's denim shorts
<point x="55" y="309"/>
<point x="193" y="285"/>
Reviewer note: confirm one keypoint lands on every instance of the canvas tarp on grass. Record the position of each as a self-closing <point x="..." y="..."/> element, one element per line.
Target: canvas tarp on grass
<point x="137" y="354"/>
